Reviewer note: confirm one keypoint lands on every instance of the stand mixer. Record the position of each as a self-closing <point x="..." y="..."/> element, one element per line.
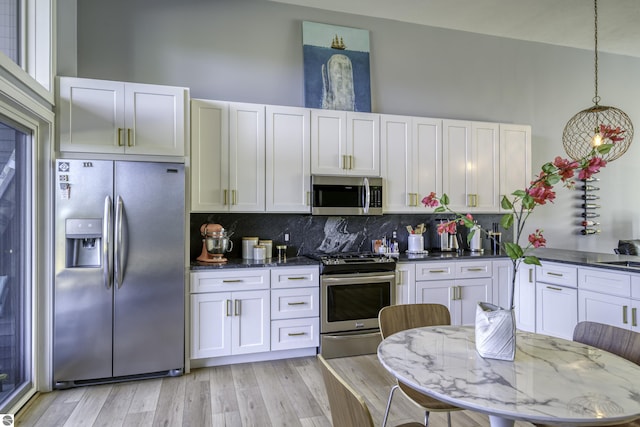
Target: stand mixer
<point x="215" y="242"/>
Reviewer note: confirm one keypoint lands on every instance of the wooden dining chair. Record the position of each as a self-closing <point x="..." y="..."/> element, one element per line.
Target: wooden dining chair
<point x="348" y="409"/>
<point x="622" y="342"/>
<point x="396" y="318"/>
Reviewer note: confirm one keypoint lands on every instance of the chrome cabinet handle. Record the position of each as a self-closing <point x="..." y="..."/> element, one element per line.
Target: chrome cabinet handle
<point x="120" y="137"/>
<point x="531" y="275"/>
<point x="295" y="334"/>
<point x="225" y="197"/>
<point x="231" y="280"/>
<point x="233" y="197"/>
<point x="237" y="308"/>
<point x="437" y="271"/>
<point x="624" y="314"/>
<point x="296" y="303"/>
<point x="350" y="162"/>
<point x="554" y="288"/>
<point x="475" y="269"/>
<point x="296" y="278"/>
<point x="228" y="307"/>
<point x="129" y="143"/>
<point x="308" y="198"/>
<point x="344" y="162"/>
<point x="551" y="273"/>
<point x="634" y="317"/>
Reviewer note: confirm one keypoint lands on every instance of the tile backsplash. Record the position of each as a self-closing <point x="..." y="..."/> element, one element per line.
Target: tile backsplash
<point x="308" y="234"/>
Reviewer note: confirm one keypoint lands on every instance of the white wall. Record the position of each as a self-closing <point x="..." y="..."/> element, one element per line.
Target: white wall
<point x="251" y="51"/>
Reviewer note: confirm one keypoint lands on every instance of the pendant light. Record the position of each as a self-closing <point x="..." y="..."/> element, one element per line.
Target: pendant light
<point x="599" y="124"/>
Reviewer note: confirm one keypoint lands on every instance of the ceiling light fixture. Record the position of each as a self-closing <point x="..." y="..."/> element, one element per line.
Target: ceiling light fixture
<point x="593" y="126"/>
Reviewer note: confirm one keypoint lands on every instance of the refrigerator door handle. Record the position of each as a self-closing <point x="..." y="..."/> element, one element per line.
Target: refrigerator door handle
<point x="120" y="248"/>
<point x="107" y="256"/>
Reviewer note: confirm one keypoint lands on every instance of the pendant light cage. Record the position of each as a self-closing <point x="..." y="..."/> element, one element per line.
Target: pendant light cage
<point x="579" y="132"/>
<point x="583" y="132"/>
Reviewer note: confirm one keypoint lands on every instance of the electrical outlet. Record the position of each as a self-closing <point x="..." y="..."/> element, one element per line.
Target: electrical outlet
<point x="286" y="237"/>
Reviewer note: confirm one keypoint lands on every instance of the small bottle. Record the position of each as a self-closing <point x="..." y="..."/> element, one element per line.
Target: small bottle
<point x="394" y="243"/>
<point x="588" y="223"/>
<point x="587" y="231"/>
<point x="589" y="215"/>
<point x="589" y="197"/>
<point x="590" y="206"/>
<point x="588" y="187"/>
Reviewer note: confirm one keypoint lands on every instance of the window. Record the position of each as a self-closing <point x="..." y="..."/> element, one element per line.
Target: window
<point x="16" y="250"/>
<point x="10" y="29"/>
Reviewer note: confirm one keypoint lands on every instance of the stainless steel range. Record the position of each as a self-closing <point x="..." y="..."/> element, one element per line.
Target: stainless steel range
<point x="354" y="287"/>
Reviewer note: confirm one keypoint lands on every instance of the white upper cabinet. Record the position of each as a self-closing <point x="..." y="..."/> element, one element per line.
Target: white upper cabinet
<point x="288" y="159"/>
<point x="471" y="165"/>
<point x="515" y="158"/>
<point x="411" y="161"/>
<point x="228" y="157"/>
<point x="345" y="143"/>
<point x="110" y="117"/>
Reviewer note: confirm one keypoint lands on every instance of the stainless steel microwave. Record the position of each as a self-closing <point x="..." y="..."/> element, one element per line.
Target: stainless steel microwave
<point x="346" y="195"/>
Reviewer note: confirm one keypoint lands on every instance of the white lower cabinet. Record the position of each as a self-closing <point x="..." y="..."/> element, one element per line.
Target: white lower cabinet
<point x="556" y="299"/>
<point x="405" y="283"/>
<point x="525" y="298"/>
<point x="248" y="311"/>
<point x="229" y="323"/>
<point x="459" y="285"/>
<point x="609" y="297"/>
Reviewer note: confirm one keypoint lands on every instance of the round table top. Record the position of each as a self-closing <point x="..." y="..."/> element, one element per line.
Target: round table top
<point x="551" y="379"/>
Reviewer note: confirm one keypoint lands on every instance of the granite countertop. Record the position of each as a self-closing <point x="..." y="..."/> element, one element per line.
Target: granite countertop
<point x="299" y="261"/>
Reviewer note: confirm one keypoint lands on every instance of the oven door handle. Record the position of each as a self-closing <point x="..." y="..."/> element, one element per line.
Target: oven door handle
<point x="367" y="196"/>
<point x="348" y="279"/>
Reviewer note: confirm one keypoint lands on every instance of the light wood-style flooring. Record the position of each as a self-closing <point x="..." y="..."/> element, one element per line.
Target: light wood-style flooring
<point x="276" y="393"/>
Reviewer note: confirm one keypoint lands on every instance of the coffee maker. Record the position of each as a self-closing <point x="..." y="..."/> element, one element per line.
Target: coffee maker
<point x="215" y="242"/>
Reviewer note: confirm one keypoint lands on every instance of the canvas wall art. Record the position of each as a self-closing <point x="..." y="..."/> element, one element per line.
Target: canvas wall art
<point x="336" y="67"/>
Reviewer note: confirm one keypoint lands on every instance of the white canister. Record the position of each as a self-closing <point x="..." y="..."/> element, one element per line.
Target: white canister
<point x="268" y="247"/>
<point x="259" y="253"/>
<point x="247" y="247"/>
<point x="416" y="243"/>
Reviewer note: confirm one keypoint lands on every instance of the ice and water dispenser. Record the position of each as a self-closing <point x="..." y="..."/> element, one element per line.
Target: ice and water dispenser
<point x="83" y="242"/>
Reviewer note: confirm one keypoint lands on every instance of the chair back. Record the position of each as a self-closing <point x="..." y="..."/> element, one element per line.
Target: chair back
<point x="396" y="318"/>
<point x="621" y="342"/>
<point x="348" y="409"/>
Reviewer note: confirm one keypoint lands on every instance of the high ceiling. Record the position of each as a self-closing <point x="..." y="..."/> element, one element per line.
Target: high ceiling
<point x="560" y="22"/>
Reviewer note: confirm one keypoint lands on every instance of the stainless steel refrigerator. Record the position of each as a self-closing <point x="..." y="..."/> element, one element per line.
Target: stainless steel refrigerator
<point x="119" y="270"/>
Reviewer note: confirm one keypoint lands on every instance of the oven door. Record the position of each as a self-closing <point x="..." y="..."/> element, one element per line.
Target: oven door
<point x="351" y="302"/>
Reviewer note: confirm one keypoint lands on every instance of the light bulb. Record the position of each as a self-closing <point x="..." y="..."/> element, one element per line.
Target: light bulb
<point x="596" y="140"/>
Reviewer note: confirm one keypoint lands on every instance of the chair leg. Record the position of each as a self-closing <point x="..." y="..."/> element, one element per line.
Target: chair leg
<point x="449" y="419"/>
<point x="426" y="418"/>
<point x="386" y="412"/>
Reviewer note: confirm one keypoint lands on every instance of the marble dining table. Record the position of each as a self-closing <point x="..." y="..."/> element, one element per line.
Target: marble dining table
<point x="551" y="381"/>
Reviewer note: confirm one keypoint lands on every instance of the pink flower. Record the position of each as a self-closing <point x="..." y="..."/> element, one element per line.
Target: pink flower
<point x="592" y="167"/>
<point x="430" y="200"/>
<point x="537" y="239"/>
<point x="541" y="193"/>
<point x="447" y="227"/>
<point x="566" y="169"/>
<point x="613" y="135"/>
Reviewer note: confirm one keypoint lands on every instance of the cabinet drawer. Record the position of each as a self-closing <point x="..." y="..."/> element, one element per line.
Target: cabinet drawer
<point x="604" y="281"/>
<point x="295" y="333"/>
<point x="230" y="280"/>
<point x="295" y="303"/>
<point x="282" y="277"/>
<point x="435" y="270"/>
<point x="473" y="269"/>
<point x="557" y="274"/>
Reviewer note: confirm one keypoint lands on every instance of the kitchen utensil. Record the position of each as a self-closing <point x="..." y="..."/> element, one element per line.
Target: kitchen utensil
<point x="416" y="243"/>
<point x="247" y="246"/>
<point x="215" y="242"/>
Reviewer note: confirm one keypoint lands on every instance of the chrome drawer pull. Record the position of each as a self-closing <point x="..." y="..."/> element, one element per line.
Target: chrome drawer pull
<point x="551" y="273"/>
<point x="554" y="288"/>
<point x="475" y="269"/>
<point x="295" y="334"/>
<point x="437" y="271"/>
<point x="296" y="303"/>
<point x="296" y="278"/>
<point x="232" y="281"/>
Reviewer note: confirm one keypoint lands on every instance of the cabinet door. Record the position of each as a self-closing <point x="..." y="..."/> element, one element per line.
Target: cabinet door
<point x="328" y="142"/>
<point x="436" y="292"/>
<point x="484" y="167"/>
<point x="209" y="156"/>
<point x="90" y="115"/>
<point x="210" y="325"/>
<point x="502" y="281"/>
<point x="155" y="119"/>
<point x="251" y="322"/>
<point x="556" y="310"/>
<point x="363" y="144"/>
<point x="515" y="158"/>
<point x="468" y="294"/>
<point x="397" y="162"/>
<point x="288" y="164"/>
<point x="427" y="157"/>
<point x="602" y="308"/>
<point x="525" y="299"/>
<point x="456" y="154"/>
<point x="405" y="283"/>
<point x="246" y="157"/>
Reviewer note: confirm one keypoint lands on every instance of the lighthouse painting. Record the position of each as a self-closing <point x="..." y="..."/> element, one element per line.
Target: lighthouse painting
<point x="336" y="67"/>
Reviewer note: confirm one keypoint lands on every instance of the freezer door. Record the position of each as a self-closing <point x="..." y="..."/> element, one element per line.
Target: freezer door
<point x="149" y="268"/>
<point x="83" y="296"/>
